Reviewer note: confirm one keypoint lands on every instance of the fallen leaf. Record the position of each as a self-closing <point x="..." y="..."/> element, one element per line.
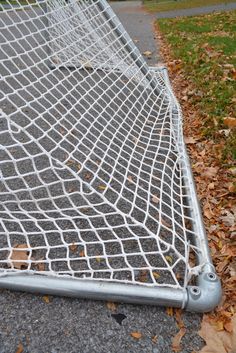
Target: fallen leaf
<point x="102" y="187"/>
<point x="147" y="53"/>
<point x="218" y="341"/>
<point x="155" y="199"/>
<point x="82" y="253"/>
<point x="88" y="176"/>
<point x="40" y="266"/>
<point x="190" y="140"/>
<point x="154" y="339"/>
<point x="178" y="317"/>
<point x="112" y="306"/>
<point x="46" y="299"/>
<point x="229" y="217"/>
<point x="165" y="223"/>
<point x="232" y="187"/>
<point x="20" y="348"/>
<point x="177" y="340"/>
<point x="20" y="256"/>
<point x="211" y="186"/>
<point x="143" y="276"/>
<point x="137" y="335"/>
<point x="156" y="275"/>
<point x="170" y="311"/>
<point x="210" y="172"/>
<point x="169" y="259"/>
<point x="73" y="247"/>
<point x="72" y="162"/>
<point x="230" y="122"/>
<point x="130" y="179"/>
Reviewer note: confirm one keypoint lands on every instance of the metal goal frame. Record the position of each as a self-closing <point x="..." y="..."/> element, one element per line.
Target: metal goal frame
<point x="203" y="296"/>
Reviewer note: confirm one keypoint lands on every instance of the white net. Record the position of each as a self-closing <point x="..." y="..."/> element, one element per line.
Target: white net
<point x="91" y="160"/>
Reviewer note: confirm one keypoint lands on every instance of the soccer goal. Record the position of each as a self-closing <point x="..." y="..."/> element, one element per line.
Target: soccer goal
<point x="97" y="198"/>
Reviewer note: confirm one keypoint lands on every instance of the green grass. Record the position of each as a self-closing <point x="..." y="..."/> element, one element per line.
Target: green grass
<point x="165" y="5"/>
<point x="206" y="46"/>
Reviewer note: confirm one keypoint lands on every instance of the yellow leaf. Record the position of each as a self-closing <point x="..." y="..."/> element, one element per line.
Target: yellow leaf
<point x="156" y="275"/>
<point x="102" y="187"/>
<point x="136" y="335"/>
<point x="147" y="53"/>
<point x="170" y="311"/>
<point x="46" y="299"/>
<point x="169" y="259"/>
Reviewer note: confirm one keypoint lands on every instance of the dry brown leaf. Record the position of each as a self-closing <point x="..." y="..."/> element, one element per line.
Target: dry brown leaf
<point x="232" y="187"/>
<point x="177" y="340"/>
<point x="137" y="335"/>
<point x="218" y="341"/>
<point x="20" y="348"/>
<point x="178" y="317"/>
<point x="210" y="172"/>
<point x="230" y="122"/>
<point x="155" y="199"/>
<point x="130" y="179"/>
<point x="207" y="212"/>
<point x="190" y="140"/>
<point x="88" y="176"/>
<point x="112" y="306"/>
<point x="211" y="186"/>
<point x="40" y="266"/>
<point x="20" y="256"/>
<point x="154" y="339"/>
<point x="73" y="247"/>
<point x="82" y="253"/>
<point x="165" y="223"/>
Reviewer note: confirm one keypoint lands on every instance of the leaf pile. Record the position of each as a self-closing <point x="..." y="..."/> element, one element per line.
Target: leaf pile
<point x="200" y="53"/>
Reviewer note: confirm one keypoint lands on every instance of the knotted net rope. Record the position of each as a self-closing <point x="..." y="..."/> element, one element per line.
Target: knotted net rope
<point x="91" y="161"/>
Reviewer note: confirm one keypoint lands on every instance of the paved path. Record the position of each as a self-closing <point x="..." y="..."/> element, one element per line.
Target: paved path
<point x="196" y="10"/>
<point x="139" y="25"/>
<point x="66" y="325"/>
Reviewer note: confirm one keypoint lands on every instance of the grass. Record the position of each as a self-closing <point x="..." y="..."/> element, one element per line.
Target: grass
<point x="206" y="46"/>
<point x="165" y="5"/>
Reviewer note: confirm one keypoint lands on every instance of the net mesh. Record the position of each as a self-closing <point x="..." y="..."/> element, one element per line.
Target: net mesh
<point x="91" y="161"/>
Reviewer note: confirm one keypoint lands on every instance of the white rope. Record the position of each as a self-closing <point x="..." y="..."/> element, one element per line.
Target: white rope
<point x="91" y="182"/>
